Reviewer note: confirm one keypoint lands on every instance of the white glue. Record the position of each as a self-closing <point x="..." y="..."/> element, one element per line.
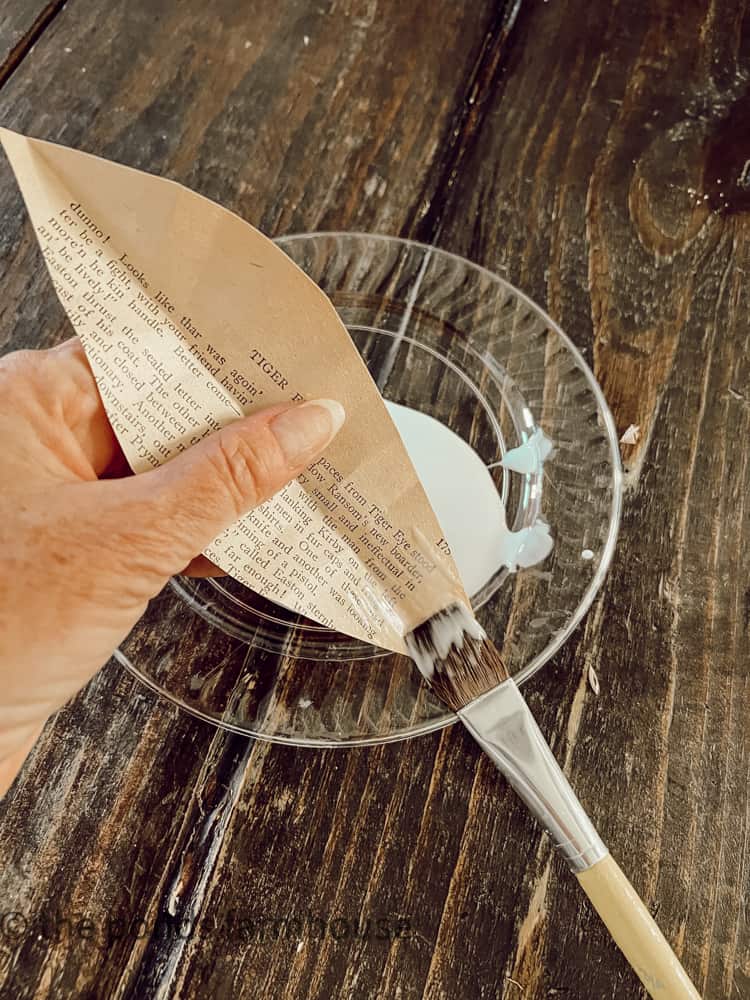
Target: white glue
<point x="465" y="498"/>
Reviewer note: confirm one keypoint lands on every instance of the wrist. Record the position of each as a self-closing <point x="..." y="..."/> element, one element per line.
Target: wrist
<point x="15" y="745"/>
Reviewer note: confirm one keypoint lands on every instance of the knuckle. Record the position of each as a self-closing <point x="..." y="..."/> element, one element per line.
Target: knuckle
<point x="18" y="370"/>
<point x="30" y="379"/>
<point x="243" y="468"/>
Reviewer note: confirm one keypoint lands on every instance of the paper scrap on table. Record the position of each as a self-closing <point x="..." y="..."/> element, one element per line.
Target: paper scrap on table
<point x="191" y="318"/>
<point x="632" y="435"/>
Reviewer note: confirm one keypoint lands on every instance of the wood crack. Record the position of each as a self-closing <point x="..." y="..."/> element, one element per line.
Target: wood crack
<point x="24" y="46"/>
<point x="427" y="222"/>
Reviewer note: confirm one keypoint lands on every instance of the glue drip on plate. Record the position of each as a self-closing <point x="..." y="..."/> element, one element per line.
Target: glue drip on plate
<point x="465" y="498"/>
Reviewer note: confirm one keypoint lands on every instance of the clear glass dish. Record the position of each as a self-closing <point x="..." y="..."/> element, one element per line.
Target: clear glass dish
<point x="444" y="336"/>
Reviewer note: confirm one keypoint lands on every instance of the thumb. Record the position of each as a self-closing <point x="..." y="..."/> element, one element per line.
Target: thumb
<point x="192" y="498"/>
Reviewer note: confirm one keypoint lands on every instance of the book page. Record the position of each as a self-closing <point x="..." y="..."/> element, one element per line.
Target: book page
<point x="191" y="318"/>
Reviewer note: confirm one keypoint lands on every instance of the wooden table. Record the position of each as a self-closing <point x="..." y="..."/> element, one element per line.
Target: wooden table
<point x="598" y="155"/>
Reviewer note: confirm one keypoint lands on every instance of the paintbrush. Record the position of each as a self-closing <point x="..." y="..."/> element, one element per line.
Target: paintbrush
<point x="467" y="673"/>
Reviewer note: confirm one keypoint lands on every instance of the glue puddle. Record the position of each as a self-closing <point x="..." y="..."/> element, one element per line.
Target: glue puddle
<point x="465" y="498"/>
<point x="466" y="501"/>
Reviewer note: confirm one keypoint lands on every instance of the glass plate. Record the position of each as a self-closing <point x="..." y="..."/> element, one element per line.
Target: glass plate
<point x="444" y="336"/>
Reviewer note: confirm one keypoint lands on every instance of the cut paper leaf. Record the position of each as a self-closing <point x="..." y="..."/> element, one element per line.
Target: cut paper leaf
<point x="191" y="318"/>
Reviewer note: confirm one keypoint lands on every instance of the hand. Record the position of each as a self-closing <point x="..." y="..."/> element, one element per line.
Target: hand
<point x="84" y="545"/>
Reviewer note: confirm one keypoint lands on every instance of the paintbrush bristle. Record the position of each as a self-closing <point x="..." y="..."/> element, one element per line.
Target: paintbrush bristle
<point x="455" y="656"/>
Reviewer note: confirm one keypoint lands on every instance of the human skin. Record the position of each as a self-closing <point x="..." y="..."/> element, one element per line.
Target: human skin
<point x="84" y="544"/>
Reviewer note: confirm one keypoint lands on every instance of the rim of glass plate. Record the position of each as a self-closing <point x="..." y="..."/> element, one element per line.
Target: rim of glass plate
<point x="616" y="507"/>
<point x="562" y="635"/>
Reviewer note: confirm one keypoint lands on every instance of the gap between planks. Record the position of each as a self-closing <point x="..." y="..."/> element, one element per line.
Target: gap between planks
<point x="27" y="42"/>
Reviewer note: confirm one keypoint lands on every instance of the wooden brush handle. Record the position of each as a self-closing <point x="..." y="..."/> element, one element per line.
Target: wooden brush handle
<point x="502" y="724"/>
<point x="635" y="932"/>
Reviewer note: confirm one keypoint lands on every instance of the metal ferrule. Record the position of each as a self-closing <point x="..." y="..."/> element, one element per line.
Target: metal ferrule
<point x="502" y="724"/>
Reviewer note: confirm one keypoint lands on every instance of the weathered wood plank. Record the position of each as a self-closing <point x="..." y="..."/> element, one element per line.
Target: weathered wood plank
<point x="254" y="108"/>
<point x="21" y="24"/>
<point x="595" y="184"/>
<point x="583" y="175"/>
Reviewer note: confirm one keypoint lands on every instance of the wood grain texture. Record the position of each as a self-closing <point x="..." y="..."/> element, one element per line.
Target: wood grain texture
<point x="595" y="186"/>
<point x="578" y="152"/>
<point x="20" y="27"/>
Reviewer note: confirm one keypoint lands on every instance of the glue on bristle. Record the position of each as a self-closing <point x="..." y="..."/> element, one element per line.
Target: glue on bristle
<point x="454" y="655"/>
<point x="445" y="629"/>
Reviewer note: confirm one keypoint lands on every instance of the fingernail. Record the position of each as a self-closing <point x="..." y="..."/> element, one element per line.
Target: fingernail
<point x="303" y="431"/>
